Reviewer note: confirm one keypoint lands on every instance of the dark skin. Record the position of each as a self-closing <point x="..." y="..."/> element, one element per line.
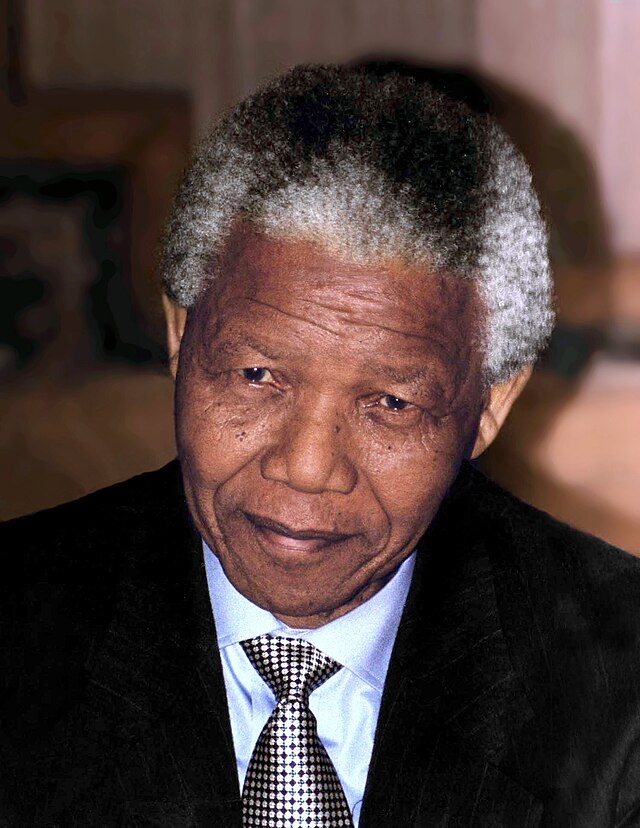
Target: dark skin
<point x="323" y="410"/>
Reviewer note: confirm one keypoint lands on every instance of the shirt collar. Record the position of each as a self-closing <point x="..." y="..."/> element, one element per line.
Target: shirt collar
<point x="360" y="640"/>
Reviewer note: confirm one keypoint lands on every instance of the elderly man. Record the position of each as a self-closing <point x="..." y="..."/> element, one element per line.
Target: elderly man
<point x="325" y="616"/>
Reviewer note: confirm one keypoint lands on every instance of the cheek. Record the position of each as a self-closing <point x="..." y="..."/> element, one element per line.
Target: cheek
<point x="215" y="439"/>
<point x="412" y="474"/>
<point x="410" y="493"/>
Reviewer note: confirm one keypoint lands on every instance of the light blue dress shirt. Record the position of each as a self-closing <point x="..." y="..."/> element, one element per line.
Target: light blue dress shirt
<point x="346" y="706"/>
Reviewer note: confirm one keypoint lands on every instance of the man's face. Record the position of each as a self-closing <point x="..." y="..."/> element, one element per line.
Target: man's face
<point x="323" y="409"/>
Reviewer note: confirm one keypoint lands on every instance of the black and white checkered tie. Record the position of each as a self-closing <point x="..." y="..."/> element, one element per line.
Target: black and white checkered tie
<point x="291" y="781"/>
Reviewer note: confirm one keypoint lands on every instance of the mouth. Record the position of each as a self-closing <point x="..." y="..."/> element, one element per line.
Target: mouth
<point x="295" y="540"/>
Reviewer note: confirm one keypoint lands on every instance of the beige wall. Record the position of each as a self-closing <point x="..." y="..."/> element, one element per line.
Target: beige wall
<point x="220" y="49"/>
<point x="548" y="49"/>
<point x="618" y="154"/>
<point x="581" y="58"/>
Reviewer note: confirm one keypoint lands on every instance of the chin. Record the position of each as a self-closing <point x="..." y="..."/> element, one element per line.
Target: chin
<point x="296" y="601"/>
<point x="292" y="599"/>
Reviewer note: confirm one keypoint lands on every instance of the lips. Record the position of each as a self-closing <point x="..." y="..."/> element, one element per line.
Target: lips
<point x="295" y="540"/>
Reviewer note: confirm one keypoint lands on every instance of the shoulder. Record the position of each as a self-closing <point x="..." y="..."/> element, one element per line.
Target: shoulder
<point x="61" y="571"/>
<point x="66" y="561"/>
<point x="72" y="536"/>
<point x="520" y="537"/>
<point x="569" y="603"/>
<point x="569" y="609"/>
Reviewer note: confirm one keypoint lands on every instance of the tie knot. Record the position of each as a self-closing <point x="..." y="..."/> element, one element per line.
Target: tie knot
<point x="290" y="666"/>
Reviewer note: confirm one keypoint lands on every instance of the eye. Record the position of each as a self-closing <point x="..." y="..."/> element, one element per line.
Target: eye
<point x="393" y="403"/>
<point x="257" y="375"/>
<point x="393" y="412"/>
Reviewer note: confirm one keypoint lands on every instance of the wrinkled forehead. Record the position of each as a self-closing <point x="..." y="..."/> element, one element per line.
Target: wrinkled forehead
<point x="255" y="258"/>
<point x="302" y="285"/>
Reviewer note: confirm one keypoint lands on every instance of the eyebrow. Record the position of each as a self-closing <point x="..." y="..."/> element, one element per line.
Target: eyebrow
<point x="404" y="377"/>
<point x="236" y="341"/>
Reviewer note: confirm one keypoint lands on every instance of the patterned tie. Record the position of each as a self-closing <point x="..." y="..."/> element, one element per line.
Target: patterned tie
<point x="291" y="781"/>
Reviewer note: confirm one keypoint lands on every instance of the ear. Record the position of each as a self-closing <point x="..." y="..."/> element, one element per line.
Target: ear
<point x="176" y="319"/>
<point x="500" y="398"/>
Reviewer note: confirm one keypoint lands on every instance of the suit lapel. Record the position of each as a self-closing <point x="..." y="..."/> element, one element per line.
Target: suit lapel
<point x="153" y="736"/>
<point x="156" y="688"/>
<point x="452" y="700"/>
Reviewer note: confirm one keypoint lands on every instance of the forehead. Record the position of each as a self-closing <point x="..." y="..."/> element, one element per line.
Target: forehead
<point x="297" y="292"/>
<point x="253" y="265"/>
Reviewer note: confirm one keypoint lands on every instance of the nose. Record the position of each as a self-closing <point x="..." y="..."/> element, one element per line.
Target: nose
<point x="311" y="451"/>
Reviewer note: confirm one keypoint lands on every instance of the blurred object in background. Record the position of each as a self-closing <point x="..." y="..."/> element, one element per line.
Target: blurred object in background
<point x="64" y="250"/>
<point x="110" y="92"/>
<point x="86" y="179"/>
<point x="59" y="441"/>
<point x="572" y="448"/>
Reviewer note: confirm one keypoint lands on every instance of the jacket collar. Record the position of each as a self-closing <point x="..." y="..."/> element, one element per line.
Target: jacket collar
<point x="453" y="701"/>
<point x="158" y="673"/>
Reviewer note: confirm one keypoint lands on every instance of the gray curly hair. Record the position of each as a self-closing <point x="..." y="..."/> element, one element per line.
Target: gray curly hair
<point x="373" y="168"/>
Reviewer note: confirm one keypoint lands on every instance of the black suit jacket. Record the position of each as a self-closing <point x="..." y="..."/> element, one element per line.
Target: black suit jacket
<point x="512" y="697"/>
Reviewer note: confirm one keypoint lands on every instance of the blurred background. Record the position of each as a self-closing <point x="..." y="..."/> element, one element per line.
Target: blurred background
<point x="98" y="105"/>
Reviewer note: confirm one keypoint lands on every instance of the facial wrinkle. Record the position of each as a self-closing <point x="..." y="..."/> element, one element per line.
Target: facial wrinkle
<point x="292" y="315"/>
<point x="461" y="360"/>
<point x="362" y="323"/>
<point x="439" y="343"/>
